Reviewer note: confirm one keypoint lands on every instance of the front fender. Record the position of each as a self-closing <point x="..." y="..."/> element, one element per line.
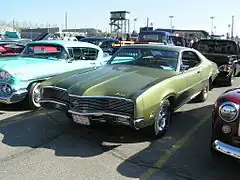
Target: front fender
<point x="152" y="98"/>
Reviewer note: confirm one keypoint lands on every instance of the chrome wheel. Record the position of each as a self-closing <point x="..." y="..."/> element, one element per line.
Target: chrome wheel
<point x="205" y="92"/>
<point x="162" y="119"/>
<point x="36" y="95"/>
<point x="232" y="76"/>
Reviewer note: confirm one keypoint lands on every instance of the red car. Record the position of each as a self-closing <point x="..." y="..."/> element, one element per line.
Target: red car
<point x="10" y="48"/>
<point x="226" y="124"/>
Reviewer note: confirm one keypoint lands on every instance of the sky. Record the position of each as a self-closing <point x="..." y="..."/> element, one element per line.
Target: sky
<point x="188" y="14"/>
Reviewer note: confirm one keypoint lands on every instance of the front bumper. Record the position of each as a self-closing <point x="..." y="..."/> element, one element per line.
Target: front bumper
<point x="226" y="149"/>
<point x="96" y="116"/>
<point x="15" y="97"/>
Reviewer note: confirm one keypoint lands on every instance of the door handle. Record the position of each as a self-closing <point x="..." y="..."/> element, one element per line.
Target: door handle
<point x="93" y="63"/>
<point x="198" y="71"/>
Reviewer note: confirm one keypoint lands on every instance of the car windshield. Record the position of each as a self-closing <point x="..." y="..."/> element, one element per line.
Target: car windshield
<point x="213" y="46"/>
<point x="45" y="51"/>
<point x="148" y="57"/>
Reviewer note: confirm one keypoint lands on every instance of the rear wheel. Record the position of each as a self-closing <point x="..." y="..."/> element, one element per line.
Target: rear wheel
<point x="204" y="93"/>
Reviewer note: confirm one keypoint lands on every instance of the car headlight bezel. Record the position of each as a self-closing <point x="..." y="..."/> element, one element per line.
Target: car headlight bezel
<point x="228" y="111"/>
<point x="4" y="75"/>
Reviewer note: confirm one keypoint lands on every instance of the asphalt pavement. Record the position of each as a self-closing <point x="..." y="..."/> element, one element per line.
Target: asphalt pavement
<point x="47" y="145"/>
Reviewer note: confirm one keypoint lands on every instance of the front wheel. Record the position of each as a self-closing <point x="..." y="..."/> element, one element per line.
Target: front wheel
<point x="34" y="96"/>
<point x="161" y="120"/>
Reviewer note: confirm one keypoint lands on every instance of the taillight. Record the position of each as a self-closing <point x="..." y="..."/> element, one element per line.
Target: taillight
<point x="226" y="68"/>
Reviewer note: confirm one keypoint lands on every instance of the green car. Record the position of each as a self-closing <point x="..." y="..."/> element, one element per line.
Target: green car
<point x="140" y="86"/>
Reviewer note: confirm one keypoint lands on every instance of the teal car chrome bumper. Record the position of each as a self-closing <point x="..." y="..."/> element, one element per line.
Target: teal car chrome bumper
<point x="15" y="97"/>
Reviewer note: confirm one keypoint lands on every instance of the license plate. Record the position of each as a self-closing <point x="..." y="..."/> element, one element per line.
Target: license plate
<point x="81" y="120"/>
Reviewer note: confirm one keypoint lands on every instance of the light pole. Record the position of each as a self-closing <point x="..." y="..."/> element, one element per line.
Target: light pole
<point x="212" y="18"/>
<point x="134" y="24"/>
<point x="229" y="29"/>
<point x="171" y="23"/>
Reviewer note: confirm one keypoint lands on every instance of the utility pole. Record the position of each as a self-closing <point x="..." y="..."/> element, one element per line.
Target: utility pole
<point x="66" y="20"/>
<point x="232" y="26"/>
<point x="212" y="18"/>
<point x="229" y="29"/>
<point x="171" y="23"/>
<point x="13" y="23"/>
<point x="147" y="22"/>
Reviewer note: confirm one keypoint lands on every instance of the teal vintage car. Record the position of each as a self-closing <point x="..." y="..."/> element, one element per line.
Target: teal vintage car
<point x="20" y="76"/>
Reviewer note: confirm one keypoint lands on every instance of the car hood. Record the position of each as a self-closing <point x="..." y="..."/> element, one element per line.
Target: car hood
<point x="114" y="80"/>
<point x="28" y="68"/>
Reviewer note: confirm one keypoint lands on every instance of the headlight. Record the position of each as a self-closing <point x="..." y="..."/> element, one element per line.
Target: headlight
<point x="5" y="75"/>
<point x="229" y="111"/>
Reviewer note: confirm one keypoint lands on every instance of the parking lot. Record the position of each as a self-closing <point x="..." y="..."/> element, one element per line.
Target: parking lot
<point x="47" y="145"/>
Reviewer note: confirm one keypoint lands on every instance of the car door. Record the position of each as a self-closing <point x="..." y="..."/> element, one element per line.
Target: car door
<point x="190" y="76"/>
<point x="193" y="72"/>
<point x="83" y="57"/>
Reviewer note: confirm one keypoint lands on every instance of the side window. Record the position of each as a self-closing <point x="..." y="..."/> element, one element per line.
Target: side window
<point x="79" y="53"/>
<point x="89" y="53"/>
<point x="190" y="59"/>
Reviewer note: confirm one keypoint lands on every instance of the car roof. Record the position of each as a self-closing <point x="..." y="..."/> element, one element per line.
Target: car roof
<point x="67" y="43"/>
<point x="161" y="47"/>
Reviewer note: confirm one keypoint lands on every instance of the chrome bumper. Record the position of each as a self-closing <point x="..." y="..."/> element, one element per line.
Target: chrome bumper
<point x="226" y="149"/>
<point x="14" y="98"/>
<point x="122" y="119"/>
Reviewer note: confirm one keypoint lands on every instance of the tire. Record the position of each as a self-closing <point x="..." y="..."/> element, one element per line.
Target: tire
<point x="161" y="120"/>
<point x="33" y="96"/>
<point x="230" y="79"/>
<point x="202" y="97"/>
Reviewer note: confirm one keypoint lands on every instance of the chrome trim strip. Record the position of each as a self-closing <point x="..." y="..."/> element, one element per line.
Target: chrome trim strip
<point x="52" y="101"/>
<point x="110" y="97"/>
<point x="232" y="104"/>
<point x="53" y="87"/>
<point x="41" y="77"/>
<point x="226" y="149"/>
<point x="99" y="114"/>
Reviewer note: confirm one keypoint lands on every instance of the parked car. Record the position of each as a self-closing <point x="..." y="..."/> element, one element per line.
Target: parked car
<point x="226" y="124"/>
<point x="40" y="60"/>
<point x="225" y="53"/>
<point x="103" y="42"/>
<point x="140" y="86"/>
<point x="11" y="47"/>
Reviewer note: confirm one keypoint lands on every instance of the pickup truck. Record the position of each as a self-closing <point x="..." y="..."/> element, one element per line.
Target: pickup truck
<point x="225" y="53"/>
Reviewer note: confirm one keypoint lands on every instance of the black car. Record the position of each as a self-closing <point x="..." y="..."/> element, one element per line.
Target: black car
<point x="104" y="43"/>
<point x="225" y="53"/>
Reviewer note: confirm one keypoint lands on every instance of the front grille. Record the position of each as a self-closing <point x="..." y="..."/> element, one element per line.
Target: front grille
<point x="54" y="93"/>
<point x="102" y="105"/>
